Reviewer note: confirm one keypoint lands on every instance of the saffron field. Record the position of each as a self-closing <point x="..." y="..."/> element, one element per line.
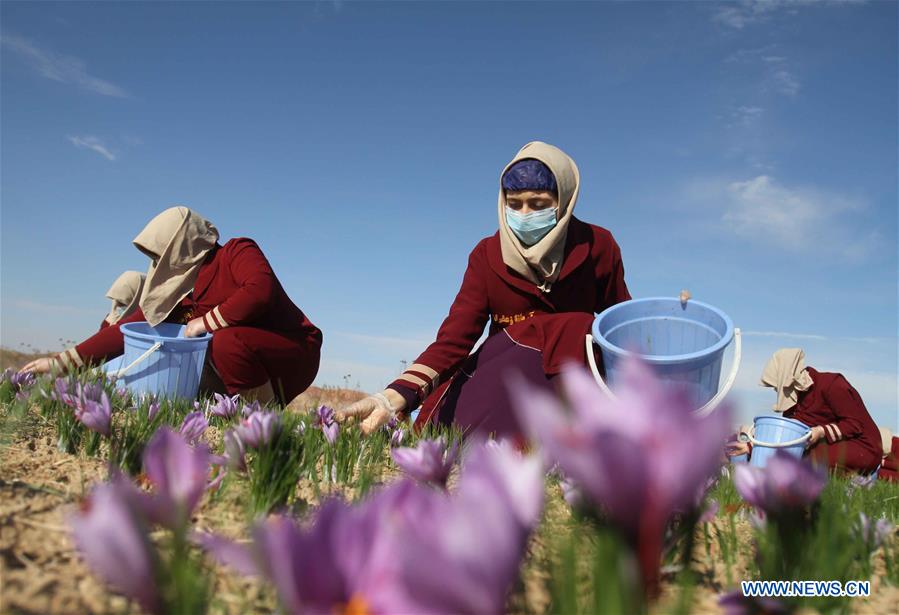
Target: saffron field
<point x="114" y="504"/>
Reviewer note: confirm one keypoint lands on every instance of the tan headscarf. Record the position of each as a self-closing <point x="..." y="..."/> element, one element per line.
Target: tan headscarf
<point x="541" y="262"/>
<point x="125" y="295"/>
<point x="177" y="240"/>
<point x="786" y="373"/>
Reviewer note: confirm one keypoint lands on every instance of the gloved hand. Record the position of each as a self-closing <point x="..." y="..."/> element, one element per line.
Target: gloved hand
<point x="375" y="410"/>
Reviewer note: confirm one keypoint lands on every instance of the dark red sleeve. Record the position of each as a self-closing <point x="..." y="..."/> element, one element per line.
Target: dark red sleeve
<point x="457" y="335"/>
<point x="104" y="324"/>
<point x="102" y="345"/>
<point x="256" y="287"/>
<point x="849" y="409"/>
<point x="612" y="289"/>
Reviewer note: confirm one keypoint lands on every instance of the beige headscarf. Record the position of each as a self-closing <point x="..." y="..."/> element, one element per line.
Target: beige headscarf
<point x="125" y="295"/>
<point x="177" y="240"/>
<point x="786" y="373"/>
<point x="541" y="262"/>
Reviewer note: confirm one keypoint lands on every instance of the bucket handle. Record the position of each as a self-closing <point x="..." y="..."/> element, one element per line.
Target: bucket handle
<point x="799" y="440"/>
<point x="121" y="373"/>
<point x="705" y="410"/>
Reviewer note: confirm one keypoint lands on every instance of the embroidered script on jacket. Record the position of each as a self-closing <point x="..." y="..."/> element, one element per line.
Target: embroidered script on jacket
<point x="511" y="319"/>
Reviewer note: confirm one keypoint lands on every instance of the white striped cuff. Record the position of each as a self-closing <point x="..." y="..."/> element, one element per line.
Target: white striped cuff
<point x="69" y="360"/>
<point x="213" y="320"/>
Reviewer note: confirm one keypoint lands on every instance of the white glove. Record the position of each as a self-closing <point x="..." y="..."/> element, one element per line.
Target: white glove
<point x="375" y="410"/>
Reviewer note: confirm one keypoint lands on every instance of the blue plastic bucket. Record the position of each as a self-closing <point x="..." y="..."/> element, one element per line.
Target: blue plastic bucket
<point x="684" y="343"/>
<point x="776" y="430"/>
<point x="173" y="370"/>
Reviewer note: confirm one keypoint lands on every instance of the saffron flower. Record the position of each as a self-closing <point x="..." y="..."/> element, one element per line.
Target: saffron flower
<point x="250" y="408"/>
<point x="62" y="392"/>
<point x="235" y="453"/>
<point x="95" y="414"/>
<point x="194" y="426"/>
<point x="178" y="472"/>
<point x="324" y="418"/>
<point x="407" y="549"/>
<point x="873" y="534"/>
<point x="224" y="406"/>
<point x="112" y="536"/>
<point x="152" y="410"/>
<point x="397" y="437"/>
<point x="258" y="429"/>
<point x="638" y="458"/>
<point x="429" y="462"/>
<point x="784" y="484"/>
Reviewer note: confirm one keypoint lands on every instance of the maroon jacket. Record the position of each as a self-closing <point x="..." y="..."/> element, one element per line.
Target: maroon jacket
<point x="234" y="287"/>
<point x="836" y="406"/>
<point x="591" y="279"/>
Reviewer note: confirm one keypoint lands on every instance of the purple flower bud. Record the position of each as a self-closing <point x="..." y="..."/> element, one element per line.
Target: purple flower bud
<point x="258" y="429"/>
<point x="784" y="484"/>
<point x="96" y="415"/>
<point x="874" y="534"/>
<point x="178" y="472"/>
<point x="429" y="462"/>
<point x="250" y="408"/>
<point x="112" y="535"/>
<point x="326" y="419"/>
<point x="397" y="437"/>
<point x="194" y="426"/>
<point x="235" y="454"/>
<point x="152" y="410"/>
<point x="224" y="406"/>
<point x="21" y="380"/>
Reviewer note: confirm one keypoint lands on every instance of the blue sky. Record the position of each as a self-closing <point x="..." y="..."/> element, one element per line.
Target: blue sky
<point x="746" y="151"/>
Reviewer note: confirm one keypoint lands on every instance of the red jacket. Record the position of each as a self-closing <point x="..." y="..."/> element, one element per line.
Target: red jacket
<point x="836" y="406"/>
<point x="235" y="286"/>
<point x="591" y="279"/>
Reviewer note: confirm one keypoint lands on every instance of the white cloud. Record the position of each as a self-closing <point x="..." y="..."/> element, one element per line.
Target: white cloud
<point x="793" y="218"/>
<point x="739" y="15"/>
<point x="94" y="144"/>
<point x="785" y="82"/>
<point x="59" y="67"/>
<point x="747" y="115"/>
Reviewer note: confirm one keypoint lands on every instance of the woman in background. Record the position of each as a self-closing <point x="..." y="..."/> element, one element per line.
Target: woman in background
<point x="843" y="434"/>
<point x="263" y="346"/>
<point x="538" y="281"/>
<point x="125" y="296"/>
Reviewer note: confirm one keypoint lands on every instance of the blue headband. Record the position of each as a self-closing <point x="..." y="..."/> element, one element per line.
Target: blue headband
<point x="529" y="174"/>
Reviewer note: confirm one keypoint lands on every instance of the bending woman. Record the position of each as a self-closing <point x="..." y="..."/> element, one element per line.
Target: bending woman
<point x="843" y="434"/>
<point x="125" y="296"/>
<point x="538" y="281"/>
<point x="263" y="346"/>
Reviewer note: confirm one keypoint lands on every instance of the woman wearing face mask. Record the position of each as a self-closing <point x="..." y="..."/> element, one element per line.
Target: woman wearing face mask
<point x="125" y="296"/>
<point x="538" y="281"/>
<point x="263" y="346"/>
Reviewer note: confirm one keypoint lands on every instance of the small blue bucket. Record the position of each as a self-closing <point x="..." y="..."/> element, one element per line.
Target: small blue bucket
<point x="683" y="342"/>
<point x="161" y="360"/>
<point x="773" y="433"/>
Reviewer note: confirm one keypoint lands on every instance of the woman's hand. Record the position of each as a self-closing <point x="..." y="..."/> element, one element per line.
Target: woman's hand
<point x="195" y="328"/>
<point x="39" y="366"/>
<point x="375" y="410"/>
<point x="817" y="433"/>
<point x="736" y="448"/>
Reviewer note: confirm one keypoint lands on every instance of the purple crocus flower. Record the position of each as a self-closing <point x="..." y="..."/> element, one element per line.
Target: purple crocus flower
<point x="429" y="462"/>
<point x="735" y="603"/>
<point x="252" y="407"/>
<point x="235" y="453"/>
<point x="224" y="406"/>
<point x="258" y="429"/>
<point x="325" y="418"/>
<point x="397" y="437"/>
<point x="178" y="472"/>
<point x="62" y="391"/>
<point x="90" y="390"/>
<point x="407" y="549"/>
<point x="21" y="381"/>
<point x="874" y="534"/>
<point x="112" y="535"/>
<point x="96" y="415"/>
<point x="152" y="410"/>
<point x="639" y="457"/>
<point x="194" y="426"/>
<point x="784" y="484"/>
